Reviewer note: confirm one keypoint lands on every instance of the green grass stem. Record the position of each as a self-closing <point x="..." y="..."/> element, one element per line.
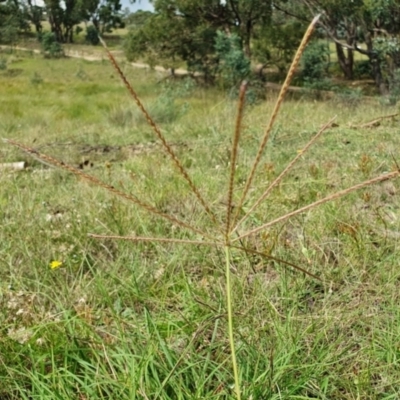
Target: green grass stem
<point x="229" y="307"/>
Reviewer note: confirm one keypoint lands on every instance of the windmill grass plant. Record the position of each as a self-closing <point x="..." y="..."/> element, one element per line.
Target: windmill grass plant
<point x="231" y="231"/>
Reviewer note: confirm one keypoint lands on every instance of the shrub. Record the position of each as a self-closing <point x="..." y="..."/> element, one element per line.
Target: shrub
<point x="51" y="48"/>
<point x="315" y="62"/>
<point x="362" y="69"/>
<point x="36" y="79"/>
<point x="9" y="32"/>
<point x="81" y="74"/>
<point x="349" y="98"/>
<point x="165" y="109"/>
<point x="92" y="36"/>
<point x="234" y="66"/>
<point x="3" y="64"/>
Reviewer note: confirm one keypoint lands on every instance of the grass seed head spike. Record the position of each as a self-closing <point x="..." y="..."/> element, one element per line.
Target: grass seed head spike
<point x="331" y="197"/>
<point x="159" y="134"/>
<point x="53" y="162"/>
<point x="235" y="143"/>
<point x="154" y="239"/>
<point x="284" y="172"/>
<point x="275" y="111"/>
<point x="222" y="231"/>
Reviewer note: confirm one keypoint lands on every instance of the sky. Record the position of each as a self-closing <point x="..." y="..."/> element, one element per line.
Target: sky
<point x="138" y="5"/>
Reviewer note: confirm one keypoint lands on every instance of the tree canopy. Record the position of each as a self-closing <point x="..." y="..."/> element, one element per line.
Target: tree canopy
<point x="265" y="32"/>
<point x="12" y="20"/>
<point x="186" y="30"/>
<point x="63" y="16"/>
<point x="368" y="27"/>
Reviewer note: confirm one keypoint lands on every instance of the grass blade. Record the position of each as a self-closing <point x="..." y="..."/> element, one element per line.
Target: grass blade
<point x="53" y="162"/>
<point x="229" y="307"/>
<point x="278" y="260"/>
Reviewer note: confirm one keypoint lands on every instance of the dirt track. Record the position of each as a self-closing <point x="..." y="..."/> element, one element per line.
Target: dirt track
<point x="101" y="55"/>
<point x="98" y="57"/>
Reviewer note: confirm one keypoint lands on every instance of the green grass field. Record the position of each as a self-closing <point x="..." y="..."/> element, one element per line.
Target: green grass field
<point x="123" y="320"/>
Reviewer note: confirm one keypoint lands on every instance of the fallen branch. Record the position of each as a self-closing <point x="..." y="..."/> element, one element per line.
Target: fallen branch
<point x="326" y="94"/>
<point x="374" y="123"/>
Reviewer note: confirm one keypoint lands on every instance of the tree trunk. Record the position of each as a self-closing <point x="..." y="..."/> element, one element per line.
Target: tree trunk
<point x="377" y="75"/>
<point x="246" y="39"/>
<point x="376" y="69"/>
<point x="68" y="34"/>
<point x="59" y="34"/>
<point x="55" y="27"/>
<point x="38" y="27"/>
<point x="96" y="24"/>
<point x="346" y="63"/>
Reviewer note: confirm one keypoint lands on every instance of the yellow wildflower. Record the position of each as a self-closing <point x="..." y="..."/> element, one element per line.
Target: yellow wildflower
<point x="55" y="264"/>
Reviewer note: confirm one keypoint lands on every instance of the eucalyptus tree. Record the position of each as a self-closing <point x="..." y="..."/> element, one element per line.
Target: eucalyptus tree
<point x="105" y="15"/>
<point x="246" y="16"/>
<point x="179" y="30"/>
<point x="12" y="20"/>
<point x="34" y="13"/>
<point x="186" y="30"/>
<point x="368" y="27"/>
<point x="64" y="15"/>
<point x="274" y="43"/>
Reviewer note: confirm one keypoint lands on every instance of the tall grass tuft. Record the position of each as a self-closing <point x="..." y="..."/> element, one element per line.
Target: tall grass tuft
<point x="229" y="232"/>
